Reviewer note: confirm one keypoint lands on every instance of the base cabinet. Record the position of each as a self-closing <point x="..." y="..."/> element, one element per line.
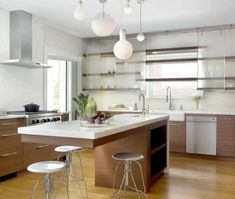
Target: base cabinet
<point x="226" y="136"/>
<point x="11" y="147"/>
<point x="177" y="133"/>
<point x="15" y="155"/>
<point x="38" y="152"/>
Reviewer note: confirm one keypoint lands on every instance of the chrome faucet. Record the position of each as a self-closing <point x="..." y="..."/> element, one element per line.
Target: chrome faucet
<point x="143" y="98"/>
<point x="168" y="98"/>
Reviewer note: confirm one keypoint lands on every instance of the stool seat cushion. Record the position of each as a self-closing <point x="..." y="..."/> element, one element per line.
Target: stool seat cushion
<point x="67" y="149"/>
<point x="47" y="167"/>
<point x="127" y="156"/>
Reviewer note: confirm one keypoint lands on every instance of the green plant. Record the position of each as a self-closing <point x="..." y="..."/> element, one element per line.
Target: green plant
<point x="197" y="99"/>
<point x="81" y="102"/>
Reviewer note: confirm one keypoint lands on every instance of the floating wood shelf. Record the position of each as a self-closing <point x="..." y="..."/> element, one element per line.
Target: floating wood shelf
<point x="165" y="50"/>
<point x="112" y="74"/>
<point x="208" y="88"/>
<point x="168" y="79"/>
<point x="131" y="62"/>
<point x="111" y="89"/>
<point x="172" y="60"/>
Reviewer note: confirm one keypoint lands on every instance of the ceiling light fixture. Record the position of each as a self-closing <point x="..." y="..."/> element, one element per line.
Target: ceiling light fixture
<point x="103" y="24"/>
<point x="140" y="36"/>
<point x="79" y="12"/>
<point x="123" y="48"/>
<point x="128" y="9"/>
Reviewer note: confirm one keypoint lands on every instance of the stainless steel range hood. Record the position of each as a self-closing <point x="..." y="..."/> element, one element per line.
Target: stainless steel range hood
<point x="21" y="41"/>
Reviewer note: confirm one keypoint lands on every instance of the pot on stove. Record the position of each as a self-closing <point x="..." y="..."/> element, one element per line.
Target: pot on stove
<point x="31" y="107"/>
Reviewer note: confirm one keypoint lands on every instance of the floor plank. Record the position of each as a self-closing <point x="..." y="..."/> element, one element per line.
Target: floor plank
<point x="188" y="178"/>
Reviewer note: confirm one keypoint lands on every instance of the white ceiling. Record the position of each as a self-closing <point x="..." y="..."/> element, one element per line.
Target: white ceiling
<point x="158" y="15"/>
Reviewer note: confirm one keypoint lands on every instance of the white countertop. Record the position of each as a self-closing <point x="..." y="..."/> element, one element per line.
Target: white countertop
<point x="72" y="129"/>
<point x="2" y="117"/>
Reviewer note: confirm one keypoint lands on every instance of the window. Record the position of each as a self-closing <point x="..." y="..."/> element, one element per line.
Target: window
<point x="162" y="67"/>
<point x="57" y="85"/>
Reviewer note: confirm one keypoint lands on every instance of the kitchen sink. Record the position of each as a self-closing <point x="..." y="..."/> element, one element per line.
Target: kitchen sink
<point x="174" y="115"/>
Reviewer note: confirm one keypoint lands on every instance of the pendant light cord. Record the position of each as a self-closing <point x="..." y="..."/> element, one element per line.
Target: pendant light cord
<point x="140" y="17"/>
<point x="103" y="9"/>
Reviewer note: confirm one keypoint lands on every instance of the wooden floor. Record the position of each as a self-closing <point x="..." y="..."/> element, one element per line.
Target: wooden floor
<point x="189" y="178"/>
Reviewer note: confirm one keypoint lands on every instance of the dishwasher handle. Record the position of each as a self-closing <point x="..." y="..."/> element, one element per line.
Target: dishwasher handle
<point x="201" y="119"/>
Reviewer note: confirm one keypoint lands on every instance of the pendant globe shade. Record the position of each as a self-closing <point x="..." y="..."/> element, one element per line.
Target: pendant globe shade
<point x="123" y="48"/>
<point x="140" y="37"/>
<point x="103" y="25"/>
<point x="79" y="12"/>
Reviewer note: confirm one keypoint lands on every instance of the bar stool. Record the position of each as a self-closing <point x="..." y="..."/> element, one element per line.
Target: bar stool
<point x="68" y="151"/>
<point x="128" y="159"/>
<point x="47" y="168"/>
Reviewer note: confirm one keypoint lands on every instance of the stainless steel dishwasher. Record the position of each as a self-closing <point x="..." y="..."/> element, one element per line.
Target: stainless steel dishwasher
<point x="201" y="135"/>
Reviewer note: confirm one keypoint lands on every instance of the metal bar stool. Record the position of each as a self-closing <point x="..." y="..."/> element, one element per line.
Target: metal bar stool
<point x="47" y="168"/>
<point x="128" y="159"/>
<point x="68" y="151"/>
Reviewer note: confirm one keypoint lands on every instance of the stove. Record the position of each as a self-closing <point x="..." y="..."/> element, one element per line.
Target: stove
<point x="41" y="116"/>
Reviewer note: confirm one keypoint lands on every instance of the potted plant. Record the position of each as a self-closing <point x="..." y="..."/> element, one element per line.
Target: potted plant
<point x="81" y="102"/>
<point x="86" y="106"/>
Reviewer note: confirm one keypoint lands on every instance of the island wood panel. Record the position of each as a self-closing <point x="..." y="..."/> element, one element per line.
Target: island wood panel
<point x="226" y="136"/>
<point x="177" y="133"/>
<point x="136" y="140"/>
<point x="105" y="165"/>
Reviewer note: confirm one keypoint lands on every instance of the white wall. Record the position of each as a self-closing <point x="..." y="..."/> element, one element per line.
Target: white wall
<point x="20" y="86"/>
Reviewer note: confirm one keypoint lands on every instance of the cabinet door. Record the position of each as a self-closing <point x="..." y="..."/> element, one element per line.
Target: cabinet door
<point x="38" y="152"/>
<point x="226" y="136"/>
<point x="177" y="137"/>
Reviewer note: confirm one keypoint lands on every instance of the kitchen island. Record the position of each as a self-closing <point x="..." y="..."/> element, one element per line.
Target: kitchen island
<point x="145" y="134"/>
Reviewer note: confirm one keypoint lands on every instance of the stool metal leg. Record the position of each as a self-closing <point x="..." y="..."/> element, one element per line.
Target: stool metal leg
<point x="125" y="180"/>
<point x="35" y="187"/>
<point x="49" y="186"/>
<point x="75" y="178"/>
<point x="142" y="176"/>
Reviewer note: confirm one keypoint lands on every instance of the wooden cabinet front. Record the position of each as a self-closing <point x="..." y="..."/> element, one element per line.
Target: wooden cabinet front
<point x="11" y="147"/>
<point x="226" y="136"/>
<point x="177" y="133"/>
<point x="38" y="152"/>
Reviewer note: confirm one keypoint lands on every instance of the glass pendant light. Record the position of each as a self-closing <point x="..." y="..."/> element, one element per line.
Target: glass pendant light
<point x="123" y="48"/>
<point x="140" y="36"/>
<point x="79" y="12"/>
<point x="128" y="9"/>
<point x="103" y="24"/>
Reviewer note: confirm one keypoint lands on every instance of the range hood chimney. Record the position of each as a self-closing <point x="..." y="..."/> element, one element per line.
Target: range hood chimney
<point x="21" y="41"/>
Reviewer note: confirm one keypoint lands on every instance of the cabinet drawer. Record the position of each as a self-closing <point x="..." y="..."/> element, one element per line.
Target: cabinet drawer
<point x="9" y="139"/>
<point x="11" y="123"/>
<point x="11" y="160"/>
<point x="38" y="152"/>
